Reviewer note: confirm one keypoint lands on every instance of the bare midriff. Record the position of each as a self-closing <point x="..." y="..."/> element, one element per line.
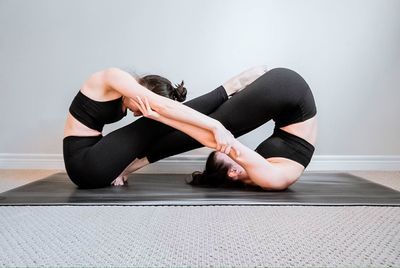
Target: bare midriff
<point x="306" y="130"/>
<point x="75" y="128"/>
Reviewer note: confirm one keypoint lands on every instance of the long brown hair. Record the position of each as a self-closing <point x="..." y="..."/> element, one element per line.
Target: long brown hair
<point x="215" y="174"/>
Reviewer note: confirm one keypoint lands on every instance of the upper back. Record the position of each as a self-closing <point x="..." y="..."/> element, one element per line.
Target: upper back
<point x="96" y="105"/>
<point x="96" y="88"/>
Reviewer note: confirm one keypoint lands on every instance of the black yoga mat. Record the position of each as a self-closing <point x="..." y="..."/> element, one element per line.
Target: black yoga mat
<point x="329" y="189"/>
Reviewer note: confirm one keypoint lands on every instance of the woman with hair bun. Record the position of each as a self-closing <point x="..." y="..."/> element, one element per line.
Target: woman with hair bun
<point x="93" y="160"/>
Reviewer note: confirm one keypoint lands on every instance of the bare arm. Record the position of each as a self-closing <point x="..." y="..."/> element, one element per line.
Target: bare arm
<point x="260" y="171"/>
<point x="124" y="83"/>
<point x="202" y="135"/>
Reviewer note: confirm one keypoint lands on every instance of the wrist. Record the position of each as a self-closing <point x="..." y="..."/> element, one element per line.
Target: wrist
<point x="235" y="149"/>
<point x="236" y="143"/>
<point x="215" y="124"/>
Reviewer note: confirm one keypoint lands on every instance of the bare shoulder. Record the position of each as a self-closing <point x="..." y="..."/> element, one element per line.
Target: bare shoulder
<point x="97" y="88"/>
<point x="112" y="73"/>
<point x="94" y="80"/>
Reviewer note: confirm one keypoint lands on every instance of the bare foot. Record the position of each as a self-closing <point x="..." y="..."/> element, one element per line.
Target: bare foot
<point x="118" y="181"/>
<point x="245" y="78"/>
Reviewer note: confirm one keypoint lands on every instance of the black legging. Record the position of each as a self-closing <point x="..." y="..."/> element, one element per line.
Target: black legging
<point x="280" y="94"/>
<point x="96" y="161"/>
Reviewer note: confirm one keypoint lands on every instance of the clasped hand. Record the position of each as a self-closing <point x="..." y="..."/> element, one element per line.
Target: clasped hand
<point x="224" y="139"/>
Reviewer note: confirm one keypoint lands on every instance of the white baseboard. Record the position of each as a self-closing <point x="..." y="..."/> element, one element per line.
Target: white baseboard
<point x="189" y="163"/>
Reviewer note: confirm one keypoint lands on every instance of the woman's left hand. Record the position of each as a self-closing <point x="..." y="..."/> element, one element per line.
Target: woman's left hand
<point x="223" y="138"/>
<point x="131" y="105"/>
<point x="145" y="108"/>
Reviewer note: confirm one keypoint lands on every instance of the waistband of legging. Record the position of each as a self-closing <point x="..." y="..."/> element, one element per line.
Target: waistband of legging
<point x="81" y="139"/>
<point x="73" y="137"/>
<point x="74" y="144"/>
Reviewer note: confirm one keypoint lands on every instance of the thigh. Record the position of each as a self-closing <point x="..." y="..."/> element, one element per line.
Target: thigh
<point x="273" y="94"/>
<point x="115" y="151"/>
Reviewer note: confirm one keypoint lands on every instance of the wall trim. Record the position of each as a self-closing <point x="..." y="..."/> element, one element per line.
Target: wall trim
<point x="189" y="163"/>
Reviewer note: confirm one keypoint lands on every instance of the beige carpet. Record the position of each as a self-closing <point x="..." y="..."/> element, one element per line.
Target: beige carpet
<point x="199" y="236"/>
<point x="388" y="178"/>
<point x="12" y="178"/>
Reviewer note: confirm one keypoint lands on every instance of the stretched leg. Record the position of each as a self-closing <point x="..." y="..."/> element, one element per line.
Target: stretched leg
<point x="205" y="104"/>
<point x="109" y="157"/>
<point x="275" y="95"/>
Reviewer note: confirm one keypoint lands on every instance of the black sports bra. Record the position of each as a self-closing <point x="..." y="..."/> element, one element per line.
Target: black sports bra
<point x="284" y="144"/>
<point x="95" y="114"/>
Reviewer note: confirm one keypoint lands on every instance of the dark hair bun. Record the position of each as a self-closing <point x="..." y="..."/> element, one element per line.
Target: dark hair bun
<point x="180" y="92"/>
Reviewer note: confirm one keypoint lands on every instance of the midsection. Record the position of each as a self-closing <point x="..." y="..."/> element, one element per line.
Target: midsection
<point x="97" y="90"/>
<point x="75" y="128"/>
<point x="306" y="130"/>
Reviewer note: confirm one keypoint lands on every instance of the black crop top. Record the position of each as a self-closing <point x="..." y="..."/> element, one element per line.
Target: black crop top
<point x="284" y="144"/>
<point x="95" y="114"/>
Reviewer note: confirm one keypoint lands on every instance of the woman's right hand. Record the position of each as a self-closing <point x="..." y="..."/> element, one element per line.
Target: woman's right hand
<point x="224" y="138"/>
<point x="146" y="109"/>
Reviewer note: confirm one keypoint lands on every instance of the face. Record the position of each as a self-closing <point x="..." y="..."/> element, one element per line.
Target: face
<point x="236" y="171"/>
<point x="131" y="105"/>
<point x="135" y="111"/>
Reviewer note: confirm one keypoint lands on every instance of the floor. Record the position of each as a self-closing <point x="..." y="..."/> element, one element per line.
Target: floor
<point x="12" y="178"/>
<point x="177" y="236"/>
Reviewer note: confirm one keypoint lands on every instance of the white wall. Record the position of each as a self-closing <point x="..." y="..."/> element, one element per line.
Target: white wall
<point x="348" y="52"/>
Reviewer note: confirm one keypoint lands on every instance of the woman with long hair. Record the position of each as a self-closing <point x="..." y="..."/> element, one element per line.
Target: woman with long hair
<point x="279" y="94"/>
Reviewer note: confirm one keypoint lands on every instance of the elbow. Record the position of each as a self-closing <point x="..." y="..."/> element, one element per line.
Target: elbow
<point x="275" y="186"/>
<point x="281" y="187"/>
<point x="276" y="181"/>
